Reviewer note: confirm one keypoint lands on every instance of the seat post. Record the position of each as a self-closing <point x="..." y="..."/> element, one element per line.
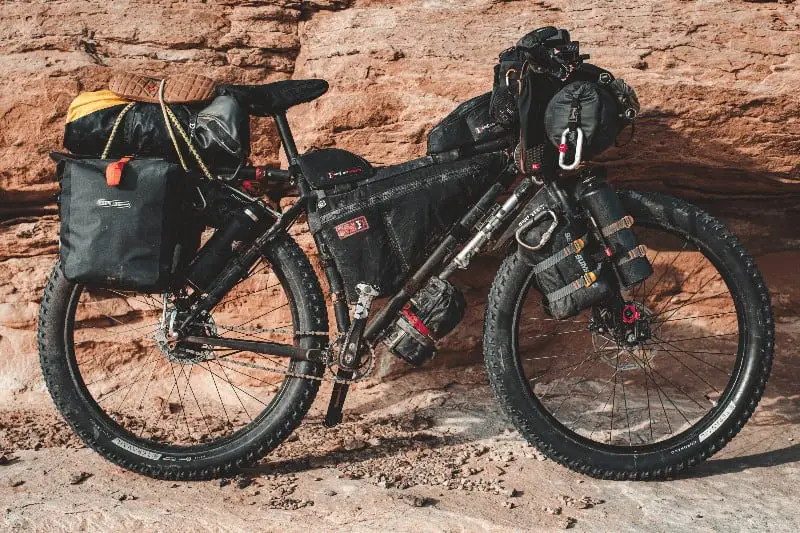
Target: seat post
<point x="286" y="137"/>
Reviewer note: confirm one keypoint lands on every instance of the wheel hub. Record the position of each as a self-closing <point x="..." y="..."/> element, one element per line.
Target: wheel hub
<point x="183" y="352"/>
<point x="622" y="340"/>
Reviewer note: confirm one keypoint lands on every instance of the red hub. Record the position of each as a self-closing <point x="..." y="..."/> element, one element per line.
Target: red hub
<point x="630" y="313"/>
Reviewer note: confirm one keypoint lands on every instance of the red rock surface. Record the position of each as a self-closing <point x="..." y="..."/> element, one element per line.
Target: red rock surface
<point x="719" y="82"/>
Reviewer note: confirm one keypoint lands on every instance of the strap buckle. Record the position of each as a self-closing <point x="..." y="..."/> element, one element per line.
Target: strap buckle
<point x="576" y="246"/>
<point x="589" y="278"/>
<point x="563" y="148"/>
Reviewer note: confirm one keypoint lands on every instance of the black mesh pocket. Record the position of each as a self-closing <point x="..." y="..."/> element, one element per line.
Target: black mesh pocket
<point x="503" y="107"/>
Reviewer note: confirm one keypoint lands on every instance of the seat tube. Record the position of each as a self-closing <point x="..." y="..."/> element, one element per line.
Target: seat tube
<point x="287" y="139"/>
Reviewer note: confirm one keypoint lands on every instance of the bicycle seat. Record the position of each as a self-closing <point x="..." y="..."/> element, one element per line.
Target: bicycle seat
<point x="272" y="98"/>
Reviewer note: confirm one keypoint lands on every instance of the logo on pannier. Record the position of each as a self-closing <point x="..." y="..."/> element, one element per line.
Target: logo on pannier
<point x="481" y="129"/>
<point x="119" y="204"/>
<point x="351" y="227"/>
<point x="339" y="173"/>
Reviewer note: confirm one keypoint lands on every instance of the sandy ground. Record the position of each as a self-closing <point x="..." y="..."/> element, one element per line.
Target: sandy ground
<point x="378" y="470"/>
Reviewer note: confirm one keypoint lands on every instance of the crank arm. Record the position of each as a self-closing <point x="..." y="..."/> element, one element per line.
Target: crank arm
<point x="268" y="348"/>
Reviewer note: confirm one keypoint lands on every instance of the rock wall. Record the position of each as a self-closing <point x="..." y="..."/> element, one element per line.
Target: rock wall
<point x="719" y="81"/>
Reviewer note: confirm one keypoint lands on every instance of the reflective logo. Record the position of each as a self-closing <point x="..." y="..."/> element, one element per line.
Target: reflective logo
<point x="119" y="204"/>
<point x="351" y="227"/>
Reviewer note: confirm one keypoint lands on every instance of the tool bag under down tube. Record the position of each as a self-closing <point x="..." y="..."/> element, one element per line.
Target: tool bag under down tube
<point x="384" y="228"/>
<point x="560" y="249"/>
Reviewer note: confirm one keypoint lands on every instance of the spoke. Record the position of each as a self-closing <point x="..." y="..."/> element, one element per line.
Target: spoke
<point x="594" y="398"/>
<point x="135" y="380"/>
<point x="559" y="333"/>
<point x="244" y="373"/>
<point x="214" y="381"/>
<point x="234" y="387"/>
<point x="627" y="416"/>
<point x="223" y="302"/>
<point x="112" y="393"/>
<point x="654" y="371"/>
<point x="714" y="315"/>
<point x="594" y="354"/>
<point x="649" y="413"/>
<point x="674" y="309"/>
<point x="685" y="278"/>
<point x="153" y="325"/>
<point x="180" y="399"/>
<point x="703" y="337"/>
<point x="687" y="302"/>
<point x="666" y="269"/>
<point x="689" y="353"/>
<point x="262" y="315"/>
<point x="693" y="372"/>
<point x="132" y="297"/>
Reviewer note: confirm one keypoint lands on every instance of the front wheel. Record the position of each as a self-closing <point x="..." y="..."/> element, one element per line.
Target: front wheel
<point x="609" y="408"/>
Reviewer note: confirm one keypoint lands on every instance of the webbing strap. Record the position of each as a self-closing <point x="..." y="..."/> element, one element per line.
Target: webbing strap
<point x="574" y="247"/>
<point x="114" y="129"/>
<point x="635" y="253"/>
<point x="587" y="280"/>
<point x="621" y="224"/>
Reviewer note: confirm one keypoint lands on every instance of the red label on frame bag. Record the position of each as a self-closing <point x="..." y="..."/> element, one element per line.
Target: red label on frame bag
<point x="351" y="227"/>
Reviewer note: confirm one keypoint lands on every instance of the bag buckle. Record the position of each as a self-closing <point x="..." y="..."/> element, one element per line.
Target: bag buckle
<point x="114" y="171"/>
<point x="577" y="245"/>
<point x="639" y="251"/>
<point x="563" y="147"/>
<point x="589" y="278"/>
<point x="530" y="221"/>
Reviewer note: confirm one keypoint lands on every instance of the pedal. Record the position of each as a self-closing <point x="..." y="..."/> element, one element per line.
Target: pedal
<point x="350" y="355"/>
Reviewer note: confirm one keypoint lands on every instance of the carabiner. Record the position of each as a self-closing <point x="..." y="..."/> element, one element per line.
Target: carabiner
<point x="529" y="221"/>
<point x="562" y="149"/>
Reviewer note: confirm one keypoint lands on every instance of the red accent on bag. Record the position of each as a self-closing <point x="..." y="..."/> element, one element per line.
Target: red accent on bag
<point x="114" y="172"/>
<point x="415" y="321"/>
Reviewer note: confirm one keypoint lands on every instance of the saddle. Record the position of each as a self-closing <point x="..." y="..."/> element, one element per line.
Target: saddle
<point x="179" y="89"/>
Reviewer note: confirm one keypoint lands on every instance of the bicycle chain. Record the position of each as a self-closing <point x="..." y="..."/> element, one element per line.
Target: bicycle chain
<point x="328" y="359"/>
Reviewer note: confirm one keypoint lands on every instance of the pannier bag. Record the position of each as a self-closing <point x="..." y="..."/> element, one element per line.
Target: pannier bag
<point x="467" y="125"/>
<point x="629" y="257"/>
<point x="431" y="314"/>
<point x="131" y="236"/>
<point x="220" y="130"/>
<point x="382" y="229"/>
<point x="558" y="250"/>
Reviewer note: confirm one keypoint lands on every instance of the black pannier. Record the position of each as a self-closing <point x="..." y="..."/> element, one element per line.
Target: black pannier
<point x="220" y="130"/>
<point x="385" y="227"/>
<point x="134" y="236"/>
<point x="560" y="250"/>
<point x="466" y="126"/>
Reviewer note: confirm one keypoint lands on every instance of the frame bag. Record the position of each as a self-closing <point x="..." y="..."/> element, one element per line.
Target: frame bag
<point x="135" y="235"/>
<point x="380" y="230"/>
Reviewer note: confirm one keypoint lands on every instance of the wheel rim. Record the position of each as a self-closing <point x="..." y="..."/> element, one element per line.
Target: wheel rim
<point x="631" y="400"/>
<point x="178" y="401"/>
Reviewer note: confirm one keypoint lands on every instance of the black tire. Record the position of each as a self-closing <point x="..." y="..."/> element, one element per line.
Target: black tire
<point x="693" y="445"/>
<point x="216" y="459"/>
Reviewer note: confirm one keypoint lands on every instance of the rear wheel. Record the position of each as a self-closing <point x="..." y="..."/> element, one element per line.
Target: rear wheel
<point x="187" y="411"/>
<point x="614" y="406"/>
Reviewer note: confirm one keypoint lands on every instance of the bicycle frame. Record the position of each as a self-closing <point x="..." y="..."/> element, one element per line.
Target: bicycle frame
<point x="479" y="225"/>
